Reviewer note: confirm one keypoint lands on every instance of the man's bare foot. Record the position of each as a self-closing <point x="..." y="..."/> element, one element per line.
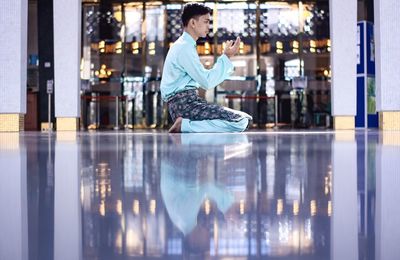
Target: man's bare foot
<point x="176" y="127"/>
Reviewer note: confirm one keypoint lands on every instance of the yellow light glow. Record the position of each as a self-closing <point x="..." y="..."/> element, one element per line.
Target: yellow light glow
<point x="279" y="45"/>
<point x="279" y="207"/>
<point x="102" y="208"/>
<point x="295" y="44"/>
<point x="206" y="48"/>
<point x="313" y="44"/>
<point x="153" y="206"/>
<point x="152" y="45"/>
<point x="312" y="50"/>
<point x="313" y="208"/>
<point x="328" y="73"/>
<point x="216" y="231"/>
<point x="119" y="207"/>
<point x="241" y="207"/>
<point x="328" y="43"/>
<point x="295" y="207"/>
<point x="329" y="208"/>
<point x="103" y="191"/>
<point x="241" y="48"/>
<point x="118" y="242"/>
<point x="279" y="51"/>
<point x="102" y="44"/>
<point x="81" y="66"/>
<point x="135" y="47"/>
<point x="207" y="206"/>
<point x="133" y="242"/>
<point x="295" y="50"/>
<point x="118" y="16"/>
<point x="118" y="47"/>
<point x="136" y="207"/>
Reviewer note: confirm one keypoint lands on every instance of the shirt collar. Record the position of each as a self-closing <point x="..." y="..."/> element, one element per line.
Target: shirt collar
<point x="187" y="37"/>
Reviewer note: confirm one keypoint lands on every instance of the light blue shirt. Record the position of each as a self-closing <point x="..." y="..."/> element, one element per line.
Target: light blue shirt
<point x="183" y="69"/>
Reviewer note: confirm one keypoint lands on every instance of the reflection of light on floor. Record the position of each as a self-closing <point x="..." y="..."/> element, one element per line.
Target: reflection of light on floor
<point x="102" y="208"/>
<point x="237" y="150"/>
<point x="295" y="207"/>
<point x="118" y="242"/>
<point x="313" y="208"/>
<point x="133" y="243"/>
<point x="241" y="207"/>
<point x="279" y="207"/>
<point x="119" y="207"/>
<point x="207" y="206"/>
<point x="152" y="207"/>
<point x="329" y="208"/>
<point x="287" y="236"/>
<point x="136" y="207"/>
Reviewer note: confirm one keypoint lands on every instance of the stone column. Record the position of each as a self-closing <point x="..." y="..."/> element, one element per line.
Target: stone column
<point x="67" y="54"/>
<point x="387" y="38"/>
<point x="13" y="64"/>
<point x="343" y="31"/>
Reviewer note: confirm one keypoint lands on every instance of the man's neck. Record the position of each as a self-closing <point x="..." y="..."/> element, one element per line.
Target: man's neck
<point x="191" y="33"/>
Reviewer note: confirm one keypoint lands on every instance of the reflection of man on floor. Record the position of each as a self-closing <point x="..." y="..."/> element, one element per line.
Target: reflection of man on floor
<point x="187" y="181"/>
<point x="183" y="73"/>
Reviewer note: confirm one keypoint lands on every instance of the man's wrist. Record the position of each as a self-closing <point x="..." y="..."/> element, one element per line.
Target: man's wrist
<point x="227" y="55"/>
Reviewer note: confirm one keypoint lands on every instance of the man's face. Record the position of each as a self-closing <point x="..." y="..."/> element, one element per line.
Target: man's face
<point x="201" y="25"/>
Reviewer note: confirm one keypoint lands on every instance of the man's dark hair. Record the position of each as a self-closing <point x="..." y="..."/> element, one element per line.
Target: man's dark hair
<point x="193" y="10"/>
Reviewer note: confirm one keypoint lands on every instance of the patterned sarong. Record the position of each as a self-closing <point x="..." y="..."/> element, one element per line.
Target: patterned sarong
<point x="187" y="104"/>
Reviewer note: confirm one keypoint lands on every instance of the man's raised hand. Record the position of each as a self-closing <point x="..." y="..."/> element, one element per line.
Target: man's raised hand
<point x="231" y="48"/>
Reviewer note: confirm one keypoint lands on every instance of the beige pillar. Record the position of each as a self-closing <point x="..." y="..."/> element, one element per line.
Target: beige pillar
<point x="387" y="38"/>
<point x="67" y="55"/>
<point x="343" y="30"/>
<point x="13" y="64"/>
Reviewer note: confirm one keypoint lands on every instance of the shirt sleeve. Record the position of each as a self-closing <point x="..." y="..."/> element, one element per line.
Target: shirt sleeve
<point x="189" y="61"/>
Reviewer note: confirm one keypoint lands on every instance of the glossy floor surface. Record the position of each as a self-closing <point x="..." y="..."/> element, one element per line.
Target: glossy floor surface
<point x="255" y="195"/>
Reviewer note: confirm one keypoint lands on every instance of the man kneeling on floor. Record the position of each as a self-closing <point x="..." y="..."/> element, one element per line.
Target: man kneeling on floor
<point x="183" y="73"/>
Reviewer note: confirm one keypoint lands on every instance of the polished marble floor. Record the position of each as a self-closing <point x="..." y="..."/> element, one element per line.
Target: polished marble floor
<point x="153" y="195"/>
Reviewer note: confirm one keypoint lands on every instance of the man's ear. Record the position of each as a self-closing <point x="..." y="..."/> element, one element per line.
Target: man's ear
<point x="192" y="22"/>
